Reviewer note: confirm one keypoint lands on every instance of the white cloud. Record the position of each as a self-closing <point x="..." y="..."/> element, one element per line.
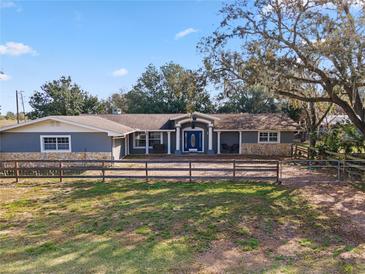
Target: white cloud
<point x="3" y="76"/>
<point x="14" y="49"/>
<point x="185" y="32"/>
<point x="120" y="72"/>
<point x="7" y="4"/>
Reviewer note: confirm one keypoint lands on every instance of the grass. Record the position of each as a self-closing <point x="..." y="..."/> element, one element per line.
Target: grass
<point x="4" y="122"/>
<point x="131" y="226"/>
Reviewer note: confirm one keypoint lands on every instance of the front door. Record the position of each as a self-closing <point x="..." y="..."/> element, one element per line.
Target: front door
<point x="193" y="141"/>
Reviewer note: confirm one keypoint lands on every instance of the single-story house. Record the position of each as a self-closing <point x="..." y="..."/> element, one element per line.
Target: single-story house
<point x="116" y="136"/>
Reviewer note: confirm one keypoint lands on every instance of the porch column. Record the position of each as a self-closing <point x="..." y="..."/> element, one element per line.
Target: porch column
<point x="168" y="142"/>
<point x="210" y="140"/>
<point x="147" y="142"/>
<point x="128" y="142"/>
<point x="126" y="145"/>
<point x="218" y="142"/>
<point x="178" y="151"/>
<point x="240" y="143"/>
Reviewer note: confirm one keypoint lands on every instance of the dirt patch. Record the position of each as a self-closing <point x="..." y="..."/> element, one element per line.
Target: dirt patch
<point x="292" y="248"/>
<point x="220" y="257"/>
<point x="224" y="256"/>
<point x="355" y="256"/>
<point x="129" y="239"/>
<point x="341" y="200"/>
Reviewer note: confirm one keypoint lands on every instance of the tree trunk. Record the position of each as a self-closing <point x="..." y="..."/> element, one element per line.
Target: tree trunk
<point x="312" y="142"/>
<point x="312" y="130"/>
<point x="356" y="120"/>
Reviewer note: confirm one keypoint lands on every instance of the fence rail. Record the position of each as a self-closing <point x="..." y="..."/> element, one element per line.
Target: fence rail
<point x="333" y="167"/>
<point x="351" y="166"/>
<point x="272" y="170"/>
<point x="141" y="169"/>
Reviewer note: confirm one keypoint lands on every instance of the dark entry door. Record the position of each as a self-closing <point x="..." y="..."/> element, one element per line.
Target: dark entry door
<point x="193" y="141"/>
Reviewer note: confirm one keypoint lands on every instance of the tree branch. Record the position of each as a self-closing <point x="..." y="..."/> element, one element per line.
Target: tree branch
<point x="304" y="99"/>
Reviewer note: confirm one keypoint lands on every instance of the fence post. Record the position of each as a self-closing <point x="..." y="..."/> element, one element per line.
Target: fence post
<point x="234" y="169"/>
<point x="344" y="174"/>
<point x="277" y="173"/>
<point x="190" y="171"/>
<point x="338" y="170"/>
<point x="146" y="168"/>
<point x="295" y="151"/>
<point x="16" y="165"/>
<point x="61" y="171"/>
<point x="281" y="170"/>
<point x="103" y="170"/>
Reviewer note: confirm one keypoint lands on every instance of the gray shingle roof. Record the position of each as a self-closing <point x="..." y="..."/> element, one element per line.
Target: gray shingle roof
<point x="96" y="122"/>
<point x="248" y="121"/>
<point x="144" y="121"/>
<point x="241" y="121"/>
<point x="126" y="123"/>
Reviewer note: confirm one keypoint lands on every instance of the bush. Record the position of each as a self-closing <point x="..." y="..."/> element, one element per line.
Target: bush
<point x="342" y="138"/>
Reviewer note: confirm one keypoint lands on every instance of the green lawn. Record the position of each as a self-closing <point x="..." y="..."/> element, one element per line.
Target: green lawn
<point x="137" y="227"/>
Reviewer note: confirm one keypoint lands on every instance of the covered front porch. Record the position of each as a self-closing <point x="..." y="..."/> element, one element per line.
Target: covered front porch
<point x="182" y="141"/>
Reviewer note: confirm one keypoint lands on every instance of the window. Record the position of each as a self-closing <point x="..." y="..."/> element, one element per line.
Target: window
<point x="55" y="143"/>
<point x="140" y="139"/>
<point x="268" y="137"/>
<point x="154" y="138"/>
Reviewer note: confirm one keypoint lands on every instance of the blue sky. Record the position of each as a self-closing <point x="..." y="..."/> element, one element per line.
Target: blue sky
<point x="103" y="45"/>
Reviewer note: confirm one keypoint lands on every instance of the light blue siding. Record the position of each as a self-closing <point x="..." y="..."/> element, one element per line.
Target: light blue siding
<point x="286" y="137"/>
<point x="80" y="141"/>
<point x="249" y="137"/>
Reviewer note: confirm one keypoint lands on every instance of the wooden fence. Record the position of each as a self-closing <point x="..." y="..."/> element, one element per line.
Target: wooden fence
<point x="351" y="166"/>
<point x="300" y="151"/>
<point x="142" y="169"/>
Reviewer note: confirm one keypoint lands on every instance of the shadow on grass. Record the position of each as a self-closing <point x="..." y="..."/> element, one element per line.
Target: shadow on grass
<point x="135" y="226"/>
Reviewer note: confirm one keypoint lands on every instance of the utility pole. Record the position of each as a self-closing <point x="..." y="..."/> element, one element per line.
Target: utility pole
<point x="17" y="107"/>
<point x="21" y="97"/>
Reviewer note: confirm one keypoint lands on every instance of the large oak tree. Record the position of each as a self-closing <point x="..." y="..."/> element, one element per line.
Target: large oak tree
<point x="308" y="50"/>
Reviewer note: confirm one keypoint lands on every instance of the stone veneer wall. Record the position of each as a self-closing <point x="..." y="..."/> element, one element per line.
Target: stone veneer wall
<point x="56" y="156"/>
<point x="266" y="149"/>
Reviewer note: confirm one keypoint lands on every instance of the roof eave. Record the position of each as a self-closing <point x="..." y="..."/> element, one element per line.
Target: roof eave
<point x="187" y="115"/>
<point x="53" y="118"/>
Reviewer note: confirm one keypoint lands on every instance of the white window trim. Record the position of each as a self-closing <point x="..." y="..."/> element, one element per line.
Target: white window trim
<point x="268" y="142"/>
<point x="192" y="129"/>
<point x="135" y="139"/>
<point x="143" y="147"/>
<point x="55" y="136"/>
